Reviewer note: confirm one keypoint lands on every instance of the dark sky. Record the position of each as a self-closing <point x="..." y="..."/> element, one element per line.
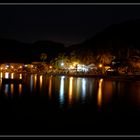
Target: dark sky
<point x="66" y="23"/>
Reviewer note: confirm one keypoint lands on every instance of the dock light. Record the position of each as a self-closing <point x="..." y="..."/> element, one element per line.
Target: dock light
<point x="100" y="65"/>
<point x="50" y="67"/>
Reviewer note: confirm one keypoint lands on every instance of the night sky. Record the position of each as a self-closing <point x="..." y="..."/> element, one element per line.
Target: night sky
<point x="68" y="24"/>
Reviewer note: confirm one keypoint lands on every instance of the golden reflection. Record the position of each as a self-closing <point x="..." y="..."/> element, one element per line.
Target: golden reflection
<point x="12" y="88"/>
<point x="20" y="88"/>
<point x="50" y="86"/>
<point x="12" y="75"/>
<point x="20" y="76"/>
<point x="41" y="80"/>
<point x="99" y="96"/>
<point x="78" y="89"/>
<point x="1" y="75"/>
<point x="35" y="81"/>
<point x="70" y="89"/>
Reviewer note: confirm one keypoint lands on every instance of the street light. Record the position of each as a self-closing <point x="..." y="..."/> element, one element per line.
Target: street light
<point x="100" y="65"/>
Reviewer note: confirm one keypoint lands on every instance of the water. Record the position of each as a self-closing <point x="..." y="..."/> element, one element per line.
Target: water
<point x="69" y="105"/>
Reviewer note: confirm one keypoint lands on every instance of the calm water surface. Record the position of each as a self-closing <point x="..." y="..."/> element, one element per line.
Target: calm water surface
<point x="69" y="105"/>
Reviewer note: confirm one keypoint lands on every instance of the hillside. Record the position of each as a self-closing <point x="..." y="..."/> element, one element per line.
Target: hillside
<point x="113" y="39"/>
<point x="15" y="51"/>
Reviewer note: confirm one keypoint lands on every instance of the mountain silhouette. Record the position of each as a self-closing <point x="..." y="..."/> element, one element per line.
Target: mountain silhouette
<point x="113" y="38"/>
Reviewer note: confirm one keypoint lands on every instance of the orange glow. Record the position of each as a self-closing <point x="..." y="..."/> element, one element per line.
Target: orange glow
<point x="99" y="100"/>
<point x="100" y="65"/>
<point x="41" y="80"/>
<point x="70" y="89"/>
<point x="35" y="80"/>
<point x="20" y="88"/>
<point x="12" y="89"/>
<point x="50" y="86"/>
<point x="20" y="76"/>
<point x="1" y="75"/>
<point x="50" y="67"/>
<point x="12" y="75"/>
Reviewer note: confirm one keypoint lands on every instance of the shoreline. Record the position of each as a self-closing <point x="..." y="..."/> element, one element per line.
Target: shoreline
<point x="109" y="77"/>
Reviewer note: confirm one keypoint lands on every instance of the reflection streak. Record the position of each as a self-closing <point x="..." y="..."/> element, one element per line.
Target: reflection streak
<point x="70" y="89"/>
<point x="41" y="80"/>
<point x="6" y="88"/>
<point x="31" y="83"/>
<point x="20" y="88"/>
<point x="12" y="88"/>
<point x="50" y="86"/>
<point x="83" y="88"/>
<point x="35" y="81"/>
<point x="62" y="90"/>
<point x="100" y="93"/>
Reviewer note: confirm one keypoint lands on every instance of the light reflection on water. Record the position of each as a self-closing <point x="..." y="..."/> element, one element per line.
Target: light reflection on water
<point x="20" y="89"/>
<point x="31" y="83"/>
<point x="12" y="88"/>
<point x="73" y="90"/>
<point x="50" y="87"/>
<point x="99" y="100"/>
<point x="62" y="90"/>
<point x="83" y="89"/>
<point x="70" y="90"/>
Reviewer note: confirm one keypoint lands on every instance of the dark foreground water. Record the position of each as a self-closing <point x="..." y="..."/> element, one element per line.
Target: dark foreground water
<point x="69" y="105"/>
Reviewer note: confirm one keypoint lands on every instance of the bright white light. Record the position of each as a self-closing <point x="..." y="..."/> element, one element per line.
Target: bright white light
<point x="83" y="88"/>
<point x="62" y="76"/>
<point x="62" y="64"/>
<point x="6" y="75"/>
<point x="62" y="90"/>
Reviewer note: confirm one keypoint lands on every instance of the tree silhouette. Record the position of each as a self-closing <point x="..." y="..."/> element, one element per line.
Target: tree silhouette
<point x="43" y="56"/>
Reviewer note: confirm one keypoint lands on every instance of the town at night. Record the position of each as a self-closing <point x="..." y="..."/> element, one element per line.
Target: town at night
<point x="69" y="69"/>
